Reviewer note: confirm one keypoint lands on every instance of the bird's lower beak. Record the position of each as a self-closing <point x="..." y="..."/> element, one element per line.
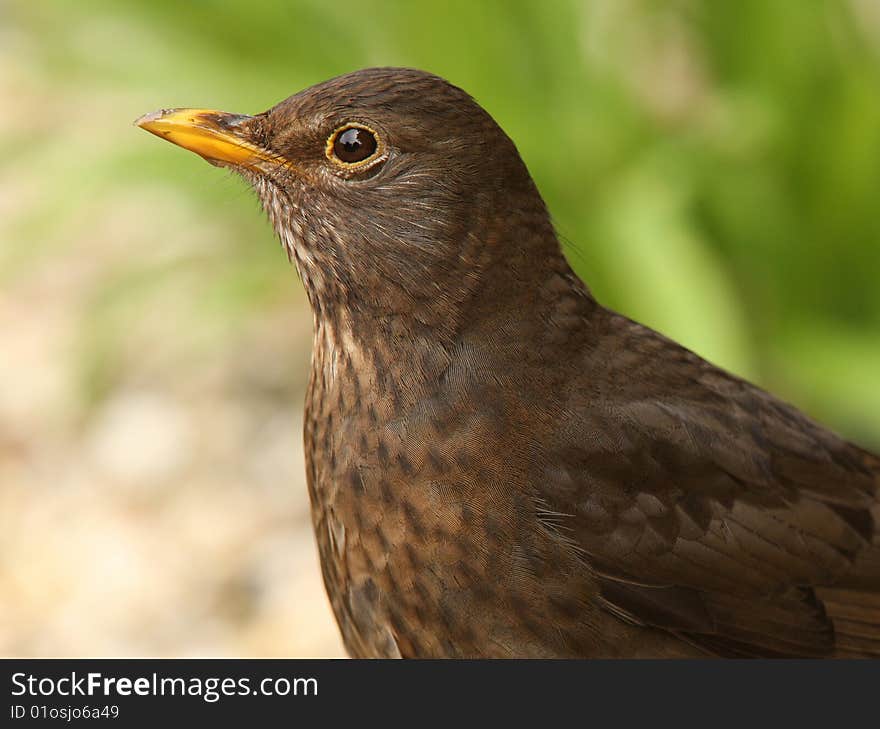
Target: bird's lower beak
<point x="217" y="136"/>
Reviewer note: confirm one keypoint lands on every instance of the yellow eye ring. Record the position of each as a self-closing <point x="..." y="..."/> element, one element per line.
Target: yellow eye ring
<point x="353" y="146"/>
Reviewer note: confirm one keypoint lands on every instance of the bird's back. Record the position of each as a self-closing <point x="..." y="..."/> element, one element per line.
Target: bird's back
<point x="707" y="507"/>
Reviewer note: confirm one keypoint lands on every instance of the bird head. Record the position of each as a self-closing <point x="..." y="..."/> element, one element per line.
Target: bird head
<point x="391" y="189"/>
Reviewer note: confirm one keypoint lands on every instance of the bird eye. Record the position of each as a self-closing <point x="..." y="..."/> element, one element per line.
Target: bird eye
<point x="352" y="145"/>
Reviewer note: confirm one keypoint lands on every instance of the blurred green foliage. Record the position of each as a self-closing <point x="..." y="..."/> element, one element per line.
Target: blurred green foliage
<point x="714" y="167"/>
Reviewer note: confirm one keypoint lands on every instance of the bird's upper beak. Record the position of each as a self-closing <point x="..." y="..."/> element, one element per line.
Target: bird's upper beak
<point x="219" y="137"/>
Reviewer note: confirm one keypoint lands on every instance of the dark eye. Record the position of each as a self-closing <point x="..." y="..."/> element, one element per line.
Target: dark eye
<point x="353" y="144"/>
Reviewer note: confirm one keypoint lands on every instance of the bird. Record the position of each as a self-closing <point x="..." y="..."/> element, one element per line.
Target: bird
<point x="498" y="465"/>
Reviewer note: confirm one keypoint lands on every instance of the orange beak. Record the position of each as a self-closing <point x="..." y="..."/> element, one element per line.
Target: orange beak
<point x="214" y="135"/>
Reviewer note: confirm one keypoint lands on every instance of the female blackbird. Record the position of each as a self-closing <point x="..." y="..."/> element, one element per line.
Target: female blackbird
<point x="498" y="466"/>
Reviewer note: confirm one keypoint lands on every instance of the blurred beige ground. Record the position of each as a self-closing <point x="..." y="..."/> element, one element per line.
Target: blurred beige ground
<point x="174" y="519"/>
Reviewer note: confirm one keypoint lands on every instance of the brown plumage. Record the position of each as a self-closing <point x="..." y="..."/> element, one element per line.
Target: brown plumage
<point x="499" y="466"/>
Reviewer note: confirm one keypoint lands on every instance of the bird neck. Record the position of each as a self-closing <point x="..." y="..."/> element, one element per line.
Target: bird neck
<point x="518" y="294"/>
